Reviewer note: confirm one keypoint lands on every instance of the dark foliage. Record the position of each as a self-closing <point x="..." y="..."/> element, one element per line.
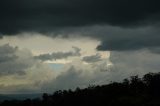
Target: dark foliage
<point x="131" y="92"/>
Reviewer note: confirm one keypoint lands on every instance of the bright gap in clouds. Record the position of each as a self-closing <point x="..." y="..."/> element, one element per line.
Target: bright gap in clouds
<point x="55" y="60"/>
<point x="40" y="44"/>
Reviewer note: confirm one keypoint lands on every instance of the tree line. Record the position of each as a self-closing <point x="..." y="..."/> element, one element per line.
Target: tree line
<point x="133" y="91"/>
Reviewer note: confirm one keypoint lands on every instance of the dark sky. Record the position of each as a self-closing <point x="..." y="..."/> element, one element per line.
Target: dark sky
<point x="45" y="14"/>
<point x="133" y="23"/>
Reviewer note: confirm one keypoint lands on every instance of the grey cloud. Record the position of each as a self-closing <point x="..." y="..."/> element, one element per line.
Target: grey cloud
<point x="139" y="62"/>
<point x="46" y="15"/>
<point x="130" y="39"/>
<point x="155" y="50"/>
<point x="20" y="72"/>
<point x="123" y="39"/>
<point x="70" y="79"/>
<point x="59" y="55"/>
<point x="78" y="74"/>
<point x="73" y="78"/>
<point x="92" y="59"/>
<point x="13" y="62"/>
<point x="7" y="53"/>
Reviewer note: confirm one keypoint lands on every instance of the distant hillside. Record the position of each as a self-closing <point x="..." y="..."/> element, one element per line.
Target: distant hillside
<point x="4" y="97"/>
<point x="134" y="91"/>
<point x="18" y="96"/>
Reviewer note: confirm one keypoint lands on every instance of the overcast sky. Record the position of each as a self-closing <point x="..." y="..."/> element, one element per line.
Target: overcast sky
<point x="47" y="45"/>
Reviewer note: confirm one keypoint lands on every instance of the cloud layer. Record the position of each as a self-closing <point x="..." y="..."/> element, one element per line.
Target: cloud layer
<point x="35" y="76"/>
<point x="119" y="24"/>
<point x="44" y="15"/>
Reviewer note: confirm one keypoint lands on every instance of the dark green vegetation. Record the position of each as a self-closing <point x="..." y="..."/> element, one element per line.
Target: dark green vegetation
<point x="131" y="92"/>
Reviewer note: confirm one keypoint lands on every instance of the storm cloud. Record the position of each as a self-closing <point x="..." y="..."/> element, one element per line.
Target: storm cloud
<point x="118" y="24"/>
<point x="46" y="15"/>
